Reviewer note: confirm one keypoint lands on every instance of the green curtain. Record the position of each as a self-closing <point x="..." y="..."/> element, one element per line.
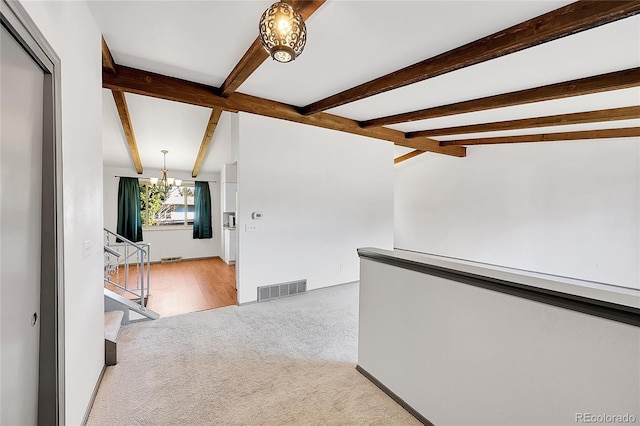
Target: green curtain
<point x="129" y="217"/>
<point x="202" y="216"/>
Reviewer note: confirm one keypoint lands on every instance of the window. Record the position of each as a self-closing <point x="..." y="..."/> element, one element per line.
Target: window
<point x="175" y="208"/>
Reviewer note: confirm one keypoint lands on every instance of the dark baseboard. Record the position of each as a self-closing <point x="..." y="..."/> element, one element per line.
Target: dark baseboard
<point x="85" y="419"/>
<point x="422" y="419"/>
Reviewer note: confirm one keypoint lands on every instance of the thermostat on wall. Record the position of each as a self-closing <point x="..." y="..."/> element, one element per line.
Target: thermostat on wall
<point x="256" y="215"/>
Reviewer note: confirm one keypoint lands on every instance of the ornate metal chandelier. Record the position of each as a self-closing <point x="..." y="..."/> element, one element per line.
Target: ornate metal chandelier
<point x="283" y="32"/>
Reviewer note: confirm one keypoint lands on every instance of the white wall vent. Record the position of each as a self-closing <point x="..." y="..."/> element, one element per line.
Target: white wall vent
<point x="276" y="291"/>
<point x="171" y="259"/>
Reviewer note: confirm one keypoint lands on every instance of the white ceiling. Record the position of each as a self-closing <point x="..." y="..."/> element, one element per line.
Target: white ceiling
<point x="349" y="42"/>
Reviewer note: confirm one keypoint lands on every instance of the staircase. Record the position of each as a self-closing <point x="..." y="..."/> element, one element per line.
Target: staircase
<point x="126" y="278"/>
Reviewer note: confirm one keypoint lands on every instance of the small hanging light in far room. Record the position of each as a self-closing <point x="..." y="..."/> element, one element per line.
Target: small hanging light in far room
<point x="283" y="32"/>
<point x="166" y="182"/>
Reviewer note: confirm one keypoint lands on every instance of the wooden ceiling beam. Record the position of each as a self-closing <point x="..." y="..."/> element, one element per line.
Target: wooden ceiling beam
<point x="145" y="83"/>
<point x="584" y="86"/>
<point x="250" y="61"/>
<point x="573" y="18"/>
<point x="109" y="67"/>
<point x="407" y="156"/>
<point x="159" y="86"/>
<point x="206" y="140"/>
<point x="631" y="113"/>
<point x="604" y="115"/>
<point x="256" y="55"/>
<point x="108" y="64"/>
<point x="627" y="132"/>
<point x="125" y="119"/>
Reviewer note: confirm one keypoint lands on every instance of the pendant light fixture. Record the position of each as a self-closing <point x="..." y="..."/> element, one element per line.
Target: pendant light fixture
<point x="283" y="32"/>
<point x="165" y="182"/>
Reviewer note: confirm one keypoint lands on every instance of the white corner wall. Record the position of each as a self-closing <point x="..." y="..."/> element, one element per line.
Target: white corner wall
<point x="323" y="194"/>
<point x="481" y="357"/>
<point x="168" y="242"/>
<point x="563" y="208"/>
<point x="71" y="30"/>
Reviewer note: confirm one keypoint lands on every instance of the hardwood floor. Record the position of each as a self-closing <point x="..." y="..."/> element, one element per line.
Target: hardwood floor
<point x="191" y="285"/>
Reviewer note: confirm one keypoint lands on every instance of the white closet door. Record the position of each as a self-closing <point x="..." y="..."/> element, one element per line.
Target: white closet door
<point x="21" y="136"/>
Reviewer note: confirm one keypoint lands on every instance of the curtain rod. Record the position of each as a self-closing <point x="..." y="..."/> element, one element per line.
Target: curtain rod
<point x="183" y="180"/>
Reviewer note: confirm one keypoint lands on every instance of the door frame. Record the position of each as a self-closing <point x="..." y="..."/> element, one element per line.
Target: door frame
<point x="51" y="385"/>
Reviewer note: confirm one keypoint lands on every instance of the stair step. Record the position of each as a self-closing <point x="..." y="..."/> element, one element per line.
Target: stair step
<point x="114" y="301"/>
<point x="112" y="322"/>
<point x="125" y="294"/>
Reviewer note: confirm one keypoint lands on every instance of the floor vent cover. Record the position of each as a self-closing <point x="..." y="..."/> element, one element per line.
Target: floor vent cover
<point x="276" y="291"/>
<point x="171" y="259"/>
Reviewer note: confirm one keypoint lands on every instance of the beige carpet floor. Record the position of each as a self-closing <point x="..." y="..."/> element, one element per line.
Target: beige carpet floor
<point x="283" y="362"/>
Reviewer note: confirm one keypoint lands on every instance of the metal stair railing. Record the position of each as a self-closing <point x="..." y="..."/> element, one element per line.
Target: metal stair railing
<point x="120" y="257"/>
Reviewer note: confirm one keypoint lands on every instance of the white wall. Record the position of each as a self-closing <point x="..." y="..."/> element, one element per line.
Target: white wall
<point x="323" y="194"/>
<point x="465" y="355"/>
<point x="72" y="32"/>
<point x="235" y="136"/>
<point x="167" y="242"/>
<point x="564" y="208"/>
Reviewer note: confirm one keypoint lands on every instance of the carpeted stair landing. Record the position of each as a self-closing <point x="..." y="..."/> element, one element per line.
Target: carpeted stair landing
<point x="284" y="362"/>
